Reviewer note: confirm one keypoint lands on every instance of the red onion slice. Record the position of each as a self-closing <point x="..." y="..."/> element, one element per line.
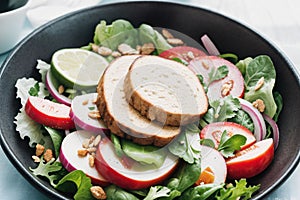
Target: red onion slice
<point x="274" y="128"/>
<point x="257" y="118"/>
<point x="209" y="46"/>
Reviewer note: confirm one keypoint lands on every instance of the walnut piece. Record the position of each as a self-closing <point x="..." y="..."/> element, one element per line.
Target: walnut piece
<point x="259" y="104"/>
<point x="147" y="49"/>
<point x="104" y="51"/>
<point x="39" y="150"/>
<point x="91" y="161"/>
<point x="226" y="88"/>
<point x="82" y="152"/>
<point x="48" y="155"/>
<point x="94" y="115"/>
<point x="61" y="89"/>
<point x="175" y="41"/>
<point x="125" y="49"/>
<point x="167" y="34"/>
<point x="98" y="192"/>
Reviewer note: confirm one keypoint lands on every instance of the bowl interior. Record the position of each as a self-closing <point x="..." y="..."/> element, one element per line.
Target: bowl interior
<point x="230" y="36"/>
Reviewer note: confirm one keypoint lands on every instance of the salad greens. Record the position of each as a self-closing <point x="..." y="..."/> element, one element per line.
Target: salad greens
<point x="181" y="184"/>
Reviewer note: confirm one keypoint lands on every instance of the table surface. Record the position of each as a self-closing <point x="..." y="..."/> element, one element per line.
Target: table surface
<point x="277" y="20"/>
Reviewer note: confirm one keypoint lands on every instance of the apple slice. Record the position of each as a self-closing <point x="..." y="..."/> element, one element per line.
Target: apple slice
<point x="251" y="161"/>
<point x="214" y="132"/>
<point x="135" y="177"/>
<point x="72" y="161"/>
<point x="213" y="166"/>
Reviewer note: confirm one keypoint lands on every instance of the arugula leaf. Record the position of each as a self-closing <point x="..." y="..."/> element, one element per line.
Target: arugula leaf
<point x="244" y="119"/>
<point x="156" y="192"/>
<point x="237" y="191"/>
<point x="222" y="109"/>
<point x="57" y="138"/>
<point x="77" y="183"/>
<point x="183" y="145"/>
<point x="51" y="170"/>
<point x="217" y="74"/>
<point x="115" y="193"/>
<point x="229" y="144"/>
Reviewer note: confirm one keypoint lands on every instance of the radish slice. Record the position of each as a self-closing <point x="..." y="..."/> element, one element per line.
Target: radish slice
<point x="71" y="161"/>
<point x="209" y="46"/>
<point x="274" y="128"/>
<point x="81" y="107"/>
<point x="135" y="177"/>
<point x="215" y="161"/>
<point x="49" y="81"/>
<point x="257" y="118"/>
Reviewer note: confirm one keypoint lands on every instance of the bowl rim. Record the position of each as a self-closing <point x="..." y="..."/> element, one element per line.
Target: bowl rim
<point x="49" y="191"/>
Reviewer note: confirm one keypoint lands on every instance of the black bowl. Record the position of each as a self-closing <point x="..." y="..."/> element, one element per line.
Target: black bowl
<point x="77" y="29"/>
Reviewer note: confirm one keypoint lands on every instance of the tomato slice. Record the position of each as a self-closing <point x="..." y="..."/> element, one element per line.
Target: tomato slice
<point x="214" y="131"/>
<point x="232" y="84"/>
<point x="250" y="162"/>
<point x="49" y="113"/>
<point x="185" y="53"/>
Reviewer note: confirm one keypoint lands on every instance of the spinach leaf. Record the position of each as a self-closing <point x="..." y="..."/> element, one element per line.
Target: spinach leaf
<point x="279" y="102"/>
<point x="183" y="146"/>
<point x="217" y="74"/>
<point x="222" y="109"/>
<point x="261" y="67"/>
<point x="77" y="183"/>
<point x="230" y="57"/>
<point x="244" y="119"/>
<point x="115" y="193"/>
<point x="144" y="154"/>
<point x="239" y="190"/>
<point x="229" y="144"/>
<point x="56" y="137"/>
<point x="186" y="176"/>
<point x="117" y="144"/>
<point x="156" y="192"/>
<point x="202" y="192"/>
<point x="52" y="170"/>
<point x="242" y="65"/>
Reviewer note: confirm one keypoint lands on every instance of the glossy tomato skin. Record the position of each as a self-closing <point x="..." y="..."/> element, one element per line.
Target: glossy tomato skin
<point x="214" y="131"/>
<point x="186" y="53"/>
<point x="49" y="113"/>
<point x="251" y="161"/>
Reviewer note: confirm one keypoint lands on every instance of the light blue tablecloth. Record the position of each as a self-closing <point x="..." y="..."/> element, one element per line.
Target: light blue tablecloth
<point x="276" y="20"/>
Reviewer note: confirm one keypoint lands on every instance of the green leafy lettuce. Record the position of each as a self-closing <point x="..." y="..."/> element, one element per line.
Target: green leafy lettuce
<point x="115" y="193"/>
<point x="261" y="67"/>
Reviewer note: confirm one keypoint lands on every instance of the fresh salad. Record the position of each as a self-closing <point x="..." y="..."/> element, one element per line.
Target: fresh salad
<point x="86" y="153"/>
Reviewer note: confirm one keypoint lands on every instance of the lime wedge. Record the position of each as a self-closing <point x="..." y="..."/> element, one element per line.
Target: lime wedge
<point x="78" y="67"/>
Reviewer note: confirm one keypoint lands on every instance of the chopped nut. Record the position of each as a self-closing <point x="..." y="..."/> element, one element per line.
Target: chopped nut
<point x="61" y="89"/>
<point x="259" y="104"/>
<point x="48" y="155"/>
<point x="86" y="143"/>
<point x="259" y="83"/>
<point x="175" y="41"/>
<point x="98" y="192"/>
<point x="138" y="48"/>
<point x="39" y="150"/>
<point x="104" y="51"/>
<point x="94" y="115"/>
<point x="91" y="161"/>
<point x="116" y="54"/>
<point x="82" y="152"/>
<point x="36" y="159"/>
<point x="206" y="66"/>
<point x="92" y="149"/>
<point x="226" y="88"/>
<point x="147" y="49"/>
<point x="97" y="140"/>
<point x="167" y="34"/>
<point x="94" y="101"/>
<point x="95" y="48"/>
<point x="85" y="102"/>
<point x="125" y="49"/>
<point x="190" y="55"/>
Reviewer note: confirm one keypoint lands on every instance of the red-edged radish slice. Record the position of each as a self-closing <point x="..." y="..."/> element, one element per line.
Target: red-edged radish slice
<point x="251" y="161"/>
<point x="212" y="159"/>
<point x="257" y="119"/>
<point x="81" y="108"/>
<point x="72" y="161"/>
<point x="137" y="176"/>
<point x="48" y="113"/>
<point x="214" y="132"/>
<point x="232" y="84"/>
<point x="49" y="82"/>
